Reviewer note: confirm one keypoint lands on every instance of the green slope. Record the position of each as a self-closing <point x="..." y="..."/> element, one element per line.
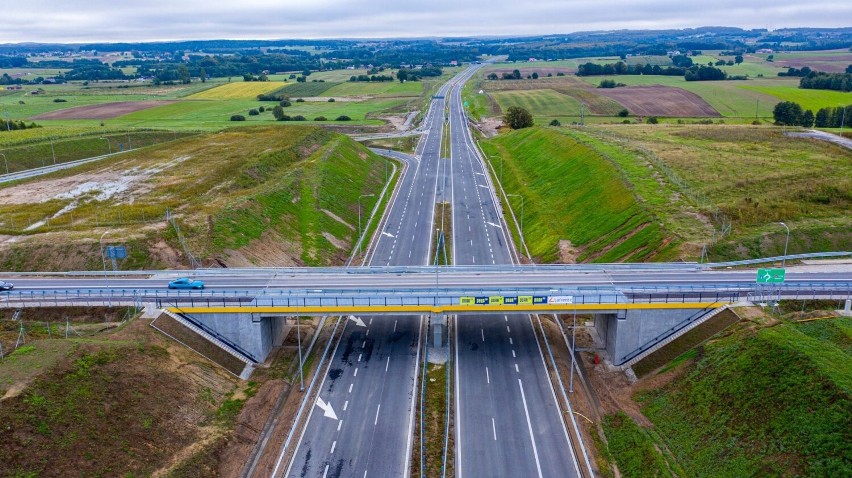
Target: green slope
<point x="571" y="192"/>
<point x="772" y="402"/>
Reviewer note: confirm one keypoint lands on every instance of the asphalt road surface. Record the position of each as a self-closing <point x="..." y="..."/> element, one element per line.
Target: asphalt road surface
<point x="508" y="422"/>
<point x="373" y="372"/>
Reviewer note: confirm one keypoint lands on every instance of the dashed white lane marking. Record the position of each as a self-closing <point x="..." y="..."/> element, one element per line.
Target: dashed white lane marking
<point x="339" y="424"/>
<point x="350" y="387"/>
<point x="513" y="353"/>
<point x="345" y="405"/>
<point x="356" y="372"/>
<point x="387" y="364"/>
<point x="516" y="368"/>
<point x="363" y="343"/>
<point x="508" y="329"/>
<point x="494" y="428"/>
<point x="333" y="446"/>
<point x="377" y="414"/>
<point x="483" y="334"/>
<point x="359" y="357"/>
<point x="325" y="473"/>
<point x="510" y="341"/>
<point x="487" y="376"/>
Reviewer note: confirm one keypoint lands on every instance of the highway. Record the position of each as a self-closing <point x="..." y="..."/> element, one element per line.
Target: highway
<point x="370" y="384"/>
<point x="507" y="419"/>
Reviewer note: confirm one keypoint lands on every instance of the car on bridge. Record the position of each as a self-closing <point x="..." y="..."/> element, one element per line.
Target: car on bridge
<point x="6" y="285"/>
<point x="186" y="283"/>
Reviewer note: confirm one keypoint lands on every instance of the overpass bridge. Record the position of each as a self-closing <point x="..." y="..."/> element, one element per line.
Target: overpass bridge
<point x="632" y="303"/>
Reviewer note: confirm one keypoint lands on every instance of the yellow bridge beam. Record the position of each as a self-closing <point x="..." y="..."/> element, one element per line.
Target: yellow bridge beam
<point x="440" y="309"/>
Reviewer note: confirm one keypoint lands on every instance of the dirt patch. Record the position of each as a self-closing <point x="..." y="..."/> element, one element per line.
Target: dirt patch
<point x="832" y="64"/>
<point x="271" y="249"/>
<point x="338" y="218"/>
<point x="567" y="252"/>
<point x="489" y="127"/>
<point x="102" y="111"/>
<point x="660" y="101"/>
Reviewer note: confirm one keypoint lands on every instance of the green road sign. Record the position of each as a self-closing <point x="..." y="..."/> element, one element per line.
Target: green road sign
<point x="466" y="104"/>
<point x="770" y="276"/>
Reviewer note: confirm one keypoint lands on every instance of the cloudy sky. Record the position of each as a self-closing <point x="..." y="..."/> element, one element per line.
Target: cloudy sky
<point x="121" y="20"/>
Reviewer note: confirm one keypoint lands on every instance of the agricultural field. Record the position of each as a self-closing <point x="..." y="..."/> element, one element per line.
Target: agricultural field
<point x="242" y="90"/>
<point x="301" y="90"/>
<point x="541" y="103"/>
<point x="832" y="61"/>
<point x="809" y="99"/>
<point x="660" y="101"/>
<point x="380" y="89"/>
<point x="262" y="196"/>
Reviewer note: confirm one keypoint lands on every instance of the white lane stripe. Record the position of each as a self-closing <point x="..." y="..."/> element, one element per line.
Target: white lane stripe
<point x="359" y="357"/>
<point x="339" y="424"/>
<point x="325" y="473"/>
<point x="494" y="428"/>
<point x="333" y="446"/>
<point x="483" y="334"/>
<point x="507" y="329"/>
<point x="377" y="414"/>
<point x="516" y="368"/>
<point x="529" y="426"/>
<point x="345" y="405"/>
<point x="387" y="364"/>
<point x="356" y="372"/>
<point x="487" y="376"/>
<point x="350" y="387"/>
<point x="513" y="353"/>
<point x="510" y="341"/>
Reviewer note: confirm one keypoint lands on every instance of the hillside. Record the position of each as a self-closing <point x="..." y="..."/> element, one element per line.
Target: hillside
<point x="578" y="206"/>
<point x="264" y="196"/>
<point x="767" y="400"/>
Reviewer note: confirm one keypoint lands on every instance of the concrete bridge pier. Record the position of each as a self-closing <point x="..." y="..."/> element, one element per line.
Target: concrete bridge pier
<point x="626" y="334"/>
<point x="252" y="334"/>
<point x="438" y="339"/>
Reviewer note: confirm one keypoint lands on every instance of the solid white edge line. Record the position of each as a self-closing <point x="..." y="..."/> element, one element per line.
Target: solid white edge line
<point x="529" y="427"/>
<point x="412" y="406"/>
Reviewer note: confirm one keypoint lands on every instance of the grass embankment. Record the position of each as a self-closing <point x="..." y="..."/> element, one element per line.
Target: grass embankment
<point x="633" y="449"/>
<point x="770" y="401"/>
<point x="36" y="152"/>
<point x="754" y="176"/>
<point x="277" y="195"/>
<point x="572" y="193"/>
<point x="434" y="422"/>
<point x="129" y="389"/>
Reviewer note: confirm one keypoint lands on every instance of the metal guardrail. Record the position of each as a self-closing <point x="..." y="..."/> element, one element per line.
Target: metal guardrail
<point x="608" y="267"/>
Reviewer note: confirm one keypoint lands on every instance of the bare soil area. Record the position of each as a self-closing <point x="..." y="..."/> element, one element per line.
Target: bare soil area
<point x="102" y="111"/>
<point x="834" y="64"/>
<point x="660" y="101"/>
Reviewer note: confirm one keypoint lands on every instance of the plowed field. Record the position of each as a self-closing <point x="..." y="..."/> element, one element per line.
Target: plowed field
<point x="659" y="101"/>
<point x="101" y="111"/>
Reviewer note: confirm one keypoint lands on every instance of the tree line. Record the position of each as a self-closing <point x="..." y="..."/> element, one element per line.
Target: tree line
<point x="789" y="113"/>
<point x="818" y="80"/>
<point x="692" y="73"/>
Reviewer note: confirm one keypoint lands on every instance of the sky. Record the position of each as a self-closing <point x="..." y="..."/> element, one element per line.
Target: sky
<point x="76" y="21"/>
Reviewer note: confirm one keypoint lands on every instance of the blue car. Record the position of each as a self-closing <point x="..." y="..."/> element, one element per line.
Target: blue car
<point x="186" y="283"/>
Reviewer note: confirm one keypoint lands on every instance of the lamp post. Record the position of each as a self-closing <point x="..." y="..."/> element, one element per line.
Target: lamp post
<point x="523" y="241"/>
<point x="52" y="151"/>
<point x="787" y="241"/>
<point x="360" y="242"/>
<point x="129" y="144"/>
<point x="108" y="144"/>
<point x="6" y="160"/>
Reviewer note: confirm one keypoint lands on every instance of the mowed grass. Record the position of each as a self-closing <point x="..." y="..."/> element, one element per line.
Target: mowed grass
<point x="809" y="99"/>
<point x="776" y="401"/>
<point x="571" y="192"/>
<point x="384" y="88"/>
<point x="238" y="90"/>
<point x="542" y="104"/>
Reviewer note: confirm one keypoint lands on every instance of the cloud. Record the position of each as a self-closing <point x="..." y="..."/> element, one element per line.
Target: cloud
<point x="108" y="20"/>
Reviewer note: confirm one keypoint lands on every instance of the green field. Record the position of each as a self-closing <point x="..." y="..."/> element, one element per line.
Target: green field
<point x="776" y="401"/>
<point x="384" y="88"/>
<point x="753" y="175"/>
<point x="809" y="99"/>
<point x="573" y="193"/>
<point x="295" y="90"/>
<point x="543" y="104"/>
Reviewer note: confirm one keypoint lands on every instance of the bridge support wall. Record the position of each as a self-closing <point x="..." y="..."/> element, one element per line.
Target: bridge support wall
<point x="628" y="333"/>
<point x="252" y="334"/>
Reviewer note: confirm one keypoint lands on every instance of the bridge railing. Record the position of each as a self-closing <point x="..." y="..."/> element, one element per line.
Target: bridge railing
<point x="424" y="297"/>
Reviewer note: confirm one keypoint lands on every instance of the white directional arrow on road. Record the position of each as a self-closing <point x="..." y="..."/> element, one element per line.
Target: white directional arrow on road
<point x="384" y="233"/>
<point x="326" y="408"/>
<point x="357" y="321"/>
<point x="492" y="224"/>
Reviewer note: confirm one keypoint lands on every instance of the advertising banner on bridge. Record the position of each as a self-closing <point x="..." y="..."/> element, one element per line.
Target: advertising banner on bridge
<point x="516" y="300"/>
<point x="560" y="299"/>
<point x="467" y="300"/>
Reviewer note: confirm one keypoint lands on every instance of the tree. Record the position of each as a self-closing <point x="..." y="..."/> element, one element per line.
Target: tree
<point x="535" y="76"/>
<point x="402" y="76"/>
<point x="492" y="76"/>
<point x="517" y="117"/>
<point x="238" y="118"/>
<point x="253" y="112"/>
<point x="624" y="113"/>
<point x="786" y="113"/>
<point x="807" y="119"/>
<point x="203" y="74"/>
<point x="738" y="59"/>
<point x="278" y="112"/>
<point x="652" y="120"/>
<point x="284" y="103"/>
<point x="555" y="123"/>
<point x="343" y="118"/>
<point x="183" y="74"/>
<point x="516" y="74"/>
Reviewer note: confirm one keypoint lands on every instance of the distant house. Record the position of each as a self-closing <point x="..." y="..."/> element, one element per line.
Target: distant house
<point x="766" y="50"/>
<point x="673" y="53"/>
<point x="454" y="63"/>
